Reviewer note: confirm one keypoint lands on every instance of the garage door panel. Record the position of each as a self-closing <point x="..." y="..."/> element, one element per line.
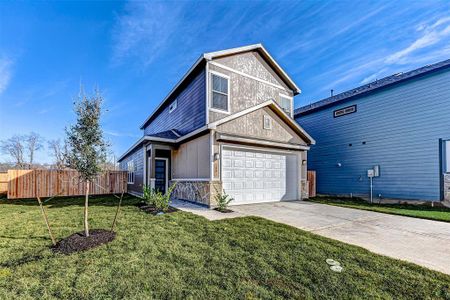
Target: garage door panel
<point x="251" y="176"/>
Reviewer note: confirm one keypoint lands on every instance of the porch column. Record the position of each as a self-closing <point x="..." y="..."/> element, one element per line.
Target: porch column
<point x="151" y="167"/>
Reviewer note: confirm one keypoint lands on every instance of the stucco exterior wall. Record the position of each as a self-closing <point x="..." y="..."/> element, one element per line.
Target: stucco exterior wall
<point x="246" y="92"/>
<point x="251" y="126"/>
<point x="191" y="159"/>
<point x="252" y="63"/>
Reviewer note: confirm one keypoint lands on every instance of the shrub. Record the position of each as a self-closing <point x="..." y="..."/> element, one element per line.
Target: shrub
<point x="222" y="200"/>
<point x="148" y="195"/>
<point x="158" y="199"/>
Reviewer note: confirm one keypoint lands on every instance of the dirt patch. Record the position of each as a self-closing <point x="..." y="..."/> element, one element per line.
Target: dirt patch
<point x="225" y="211"/>
<point x="151" y="209"/>
<point x="79" y="242"/>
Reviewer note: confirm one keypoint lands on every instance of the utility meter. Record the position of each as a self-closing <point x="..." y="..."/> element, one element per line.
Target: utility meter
<point x="376" y="171"/>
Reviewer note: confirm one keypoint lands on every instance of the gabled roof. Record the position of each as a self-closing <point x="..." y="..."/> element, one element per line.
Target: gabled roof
<point x="280" y="113"/>
<point x="212" y="55"/>
<point x="371" y="87"/>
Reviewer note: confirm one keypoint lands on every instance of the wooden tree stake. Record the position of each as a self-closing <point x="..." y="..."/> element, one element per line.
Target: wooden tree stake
<point x="117" y="211"/>
<point x="46" y="220"/>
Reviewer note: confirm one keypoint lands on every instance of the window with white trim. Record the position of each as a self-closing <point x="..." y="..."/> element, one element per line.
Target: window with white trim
<point x="285" y="103"/>
<point x="130" y="169"/>
<point x="267" y="122"/>
<point x="220" y="92"/>
<point x="173" y="105"/>
<point x="447" y="156"/>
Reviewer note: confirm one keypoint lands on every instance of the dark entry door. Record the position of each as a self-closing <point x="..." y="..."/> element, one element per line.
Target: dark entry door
<point x="161" y="175"/>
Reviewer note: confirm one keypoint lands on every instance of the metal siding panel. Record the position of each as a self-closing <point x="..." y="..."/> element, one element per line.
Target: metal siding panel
<point x="401" y="126"/>
<point x="190" y="112"/>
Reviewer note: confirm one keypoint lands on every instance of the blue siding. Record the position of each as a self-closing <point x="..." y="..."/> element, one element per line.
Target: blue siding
<point x="401" y="126"/>
<point x="190" y="113"/>
<point x="137" y="155"/>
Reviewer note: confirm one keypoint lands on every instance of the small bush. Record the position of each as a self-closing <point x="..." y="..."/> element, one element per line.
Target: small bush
<point x="158" y="199"/>
<point x="148" y="195"/>
<point x="222" y="200"/>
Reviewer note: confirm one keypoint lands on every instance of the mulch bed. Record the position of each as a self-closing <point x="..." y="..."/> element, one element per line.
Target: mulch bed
<point x="79" y="242"/>
<point x="150" y="209"/>
<point x="225" y="211"/>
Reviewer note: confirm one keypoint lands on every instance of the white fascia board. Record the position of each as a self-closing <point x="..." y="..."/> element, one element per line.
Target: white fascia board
<point x="273" y="106"/>
<point x="212" y="55"/>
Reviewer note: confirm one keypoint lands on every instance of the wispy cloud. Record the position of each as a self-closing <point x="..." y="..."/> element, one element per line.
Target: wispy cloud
<point x="432" y="34"/>
<point x="120" y="134"/>
<point x="145" y="30"/>
<point x="5" y="72"/>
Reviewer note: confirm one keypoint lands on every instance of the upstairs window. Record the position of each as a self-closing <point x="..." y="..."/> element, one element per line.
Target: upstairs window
<point x="130" y="168"/>
<point x="173" y="106"/>
<point x="285" y="103"/>
<point x="220" y="92"/>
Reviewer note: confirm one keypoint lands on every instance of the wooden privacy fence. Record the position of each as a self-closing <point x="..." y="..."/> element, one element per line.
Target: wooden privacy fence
<point x="3" y="183"/>
<point x="48" y="183"/>
<point x="312" y="183"/>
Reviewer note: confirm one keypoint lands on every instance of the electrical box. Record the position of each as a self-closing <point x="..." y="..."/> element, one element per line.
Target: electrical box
<point x="376" y="171"/>
<point x="370" y="173"/>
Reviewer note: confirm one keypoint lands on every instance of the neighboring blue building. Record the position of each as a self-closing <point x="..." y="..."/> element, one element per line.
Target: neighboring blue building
<point x="400" y="123"/>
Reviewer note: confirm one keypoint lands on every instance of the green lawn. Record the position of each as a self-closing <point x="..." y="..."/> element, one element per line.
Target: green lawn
<point x="180" y="255"/>
<point x="416" y="211"/>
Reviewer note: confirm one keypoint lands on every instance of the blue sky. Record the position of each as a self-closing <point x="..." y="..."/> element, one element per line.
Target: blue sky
<point x="136" y="51"/>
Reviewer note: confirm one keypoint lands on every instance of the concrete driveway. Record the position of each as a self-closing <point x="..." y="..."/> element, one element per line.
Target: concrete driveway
<point x="423" y="242"/>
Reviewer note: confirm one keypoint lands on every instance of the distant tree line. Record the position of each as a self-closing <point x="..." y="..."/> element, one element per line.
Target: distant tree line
<point x="22" y="149"/>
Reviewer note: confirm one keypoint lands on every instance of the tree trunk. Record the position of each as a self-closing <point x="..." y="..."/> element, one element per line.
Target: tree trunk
<point x="86" y="204"/>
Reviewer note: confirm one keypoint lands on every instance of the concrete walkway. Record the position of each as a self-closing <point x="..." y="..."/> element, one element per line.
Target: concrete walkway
<point x="423" y="242"/>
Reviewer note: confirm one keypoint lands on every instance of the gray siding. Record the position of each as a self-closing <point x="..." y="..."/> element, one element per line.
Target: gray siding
<point x="190" y="113"/>
<point x="138" y="156"/>
<point x="401" y="127"/>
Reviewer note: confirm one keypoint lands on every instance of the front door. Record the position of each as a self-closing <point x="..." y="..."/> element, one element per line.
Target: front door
<point x="161" y="174"/>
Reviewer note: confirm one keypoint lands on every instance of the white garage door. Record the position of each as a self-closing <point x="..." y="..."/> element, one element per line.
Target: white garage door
<point x="251" y="176"/>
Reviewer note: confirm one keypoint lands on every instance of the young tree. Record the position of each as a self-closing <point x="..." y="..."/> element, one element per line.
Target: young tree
<point x="15" y="147"/>
<point x="59" y="151"/>
<point x="87" y="148"/>
<point x="33" y="144"/>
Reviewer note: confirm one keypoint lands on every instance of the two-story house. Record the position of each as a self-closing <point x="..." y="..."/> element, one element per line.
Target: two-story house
<point x="399" y="125"/>
<point x="226" y="125"/>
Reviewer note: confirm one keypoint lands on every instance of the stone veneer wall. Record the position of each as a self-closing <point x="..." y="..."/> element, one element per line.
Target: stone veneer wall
<point x="197" y="191"/>
<point x="447" y="187"/>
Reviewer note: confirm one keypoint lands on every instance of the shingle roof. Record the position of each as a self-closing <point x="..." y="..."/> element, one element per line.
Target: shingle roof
<point x="370" y="87"/>
<point x="168" y="134"/>
<point x="211" y="55"/>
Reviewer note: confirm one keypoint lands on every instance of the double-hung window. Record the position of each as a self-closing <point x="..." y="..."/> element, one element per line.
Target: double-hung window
<point x="130" y="169"/>
<point x="220" y="92"/>
<point x="285" y="103"/>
